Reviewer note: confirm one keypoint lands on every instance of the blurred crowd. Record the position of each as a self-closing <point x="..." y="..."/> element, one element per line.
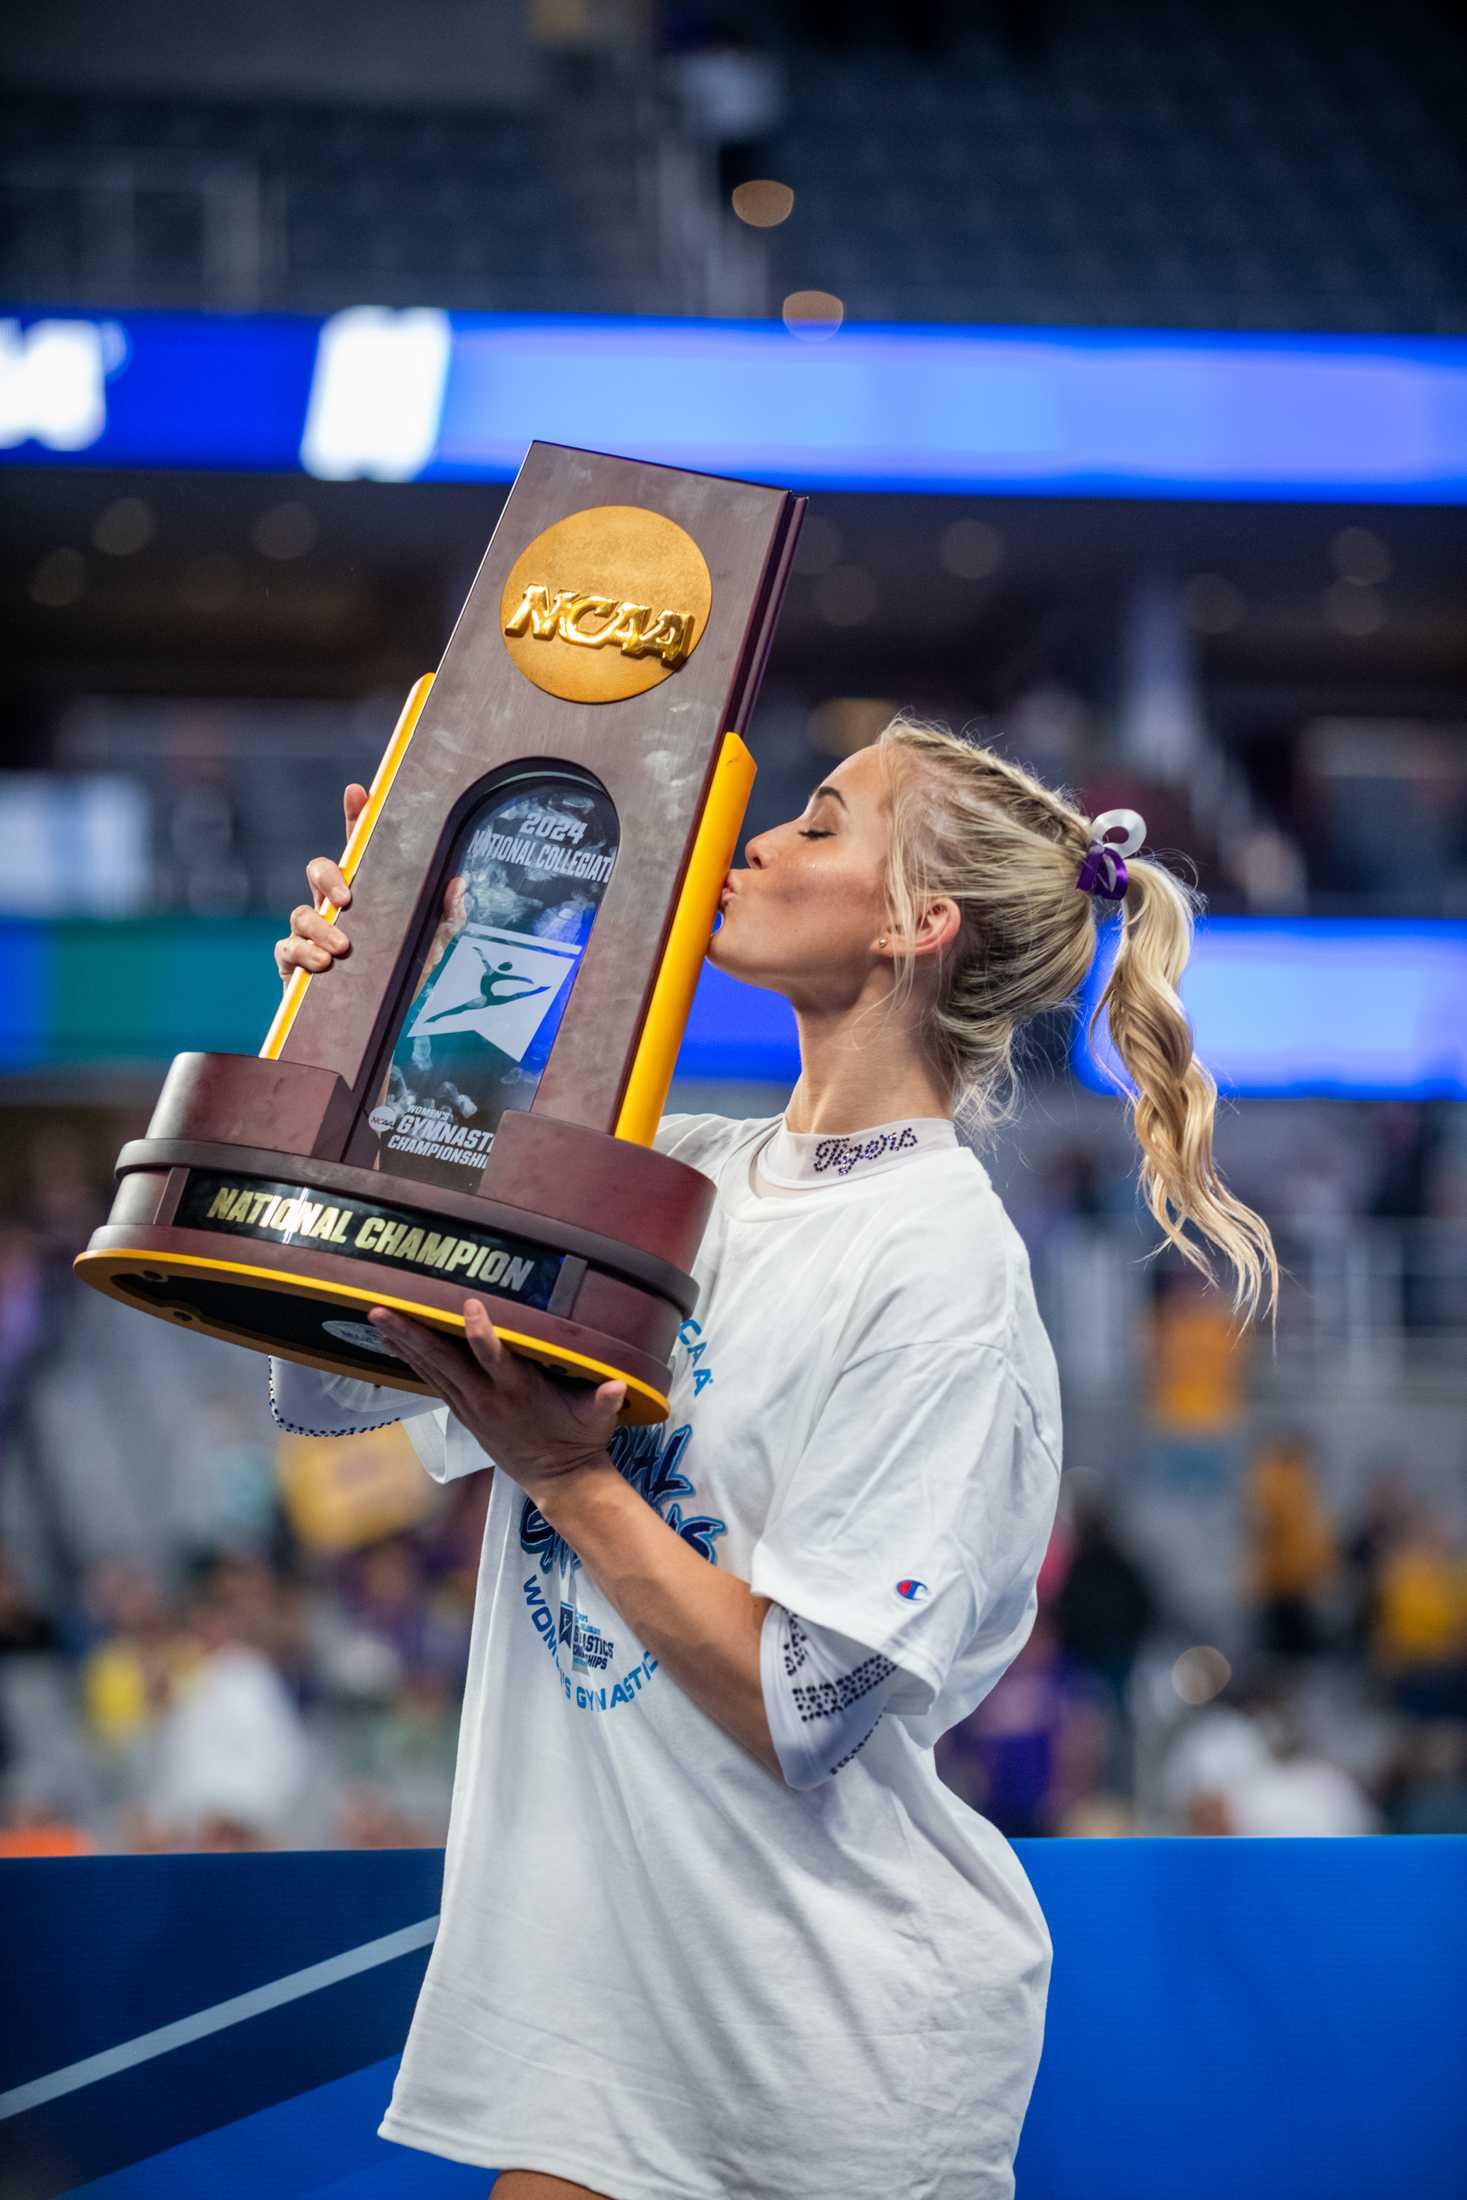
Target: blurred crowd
<point x="251" y="1694"/>
<point x="1221" y="1647"/>
<point x="1343" y="1709"/>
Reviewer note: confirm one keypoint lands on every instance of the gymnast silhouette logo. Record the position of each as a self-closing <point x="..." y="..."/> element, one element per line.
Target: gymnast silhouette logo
<point x="498" y="984"/>
<point x="489" y="994"/>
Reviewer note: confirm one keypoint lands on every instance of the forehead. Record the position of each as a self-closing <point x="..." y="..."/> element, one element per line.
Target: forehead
<point x="860" y="778"/>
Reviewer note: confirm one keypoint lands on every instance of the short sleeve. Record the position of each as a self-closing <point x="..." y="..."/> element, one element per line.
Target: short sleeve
<point x="444" y="1446"/>
<point x="311" y="1401"/>
<point x="671" y="1130"/>
<point x="919" y="1509"/>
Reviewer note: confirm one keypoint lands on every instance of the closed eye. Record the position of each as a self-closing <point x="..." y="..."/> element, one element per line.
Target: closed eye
<point x="814" y="836"/>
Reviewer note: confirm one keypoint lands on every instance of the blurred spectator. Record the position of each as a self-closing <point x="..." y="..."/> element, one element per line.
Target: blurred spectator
<point x="1024" y="1754"/>
<point x="1418" y="1644"/>
<point x="65" y="1197"/>
<point x="141" y="1655"/>
<point x="1407" y="1138"/>
<point x="1385" y="1515"/>
<point x="1291" y="1555"/>
<point x="1430" y="1795"/>
<point x="1292" y="1789"/>
<point x="404" y="1753"/>
<point x="23" y="1628"/>
<point x="231" y="1760"/>
<point x="1105" y="1606"/>
<point x="23" y="1326"/>
<point x="450" y="1543"/>
<point x="230" y="1501"/>
<point x="1194" y="1385"/>
<point x="383" y="1625"/>
<point x="1214" y="1750"/>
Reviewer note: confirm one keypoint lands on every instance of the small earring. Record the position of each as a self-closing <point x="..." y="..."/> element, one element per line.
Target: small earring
<point x="882" y="941"/>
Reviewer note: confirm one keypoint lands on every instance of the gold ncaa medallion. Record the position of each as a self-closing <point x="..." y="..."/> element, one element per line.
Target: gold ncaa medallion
<point x="606" y="603"/>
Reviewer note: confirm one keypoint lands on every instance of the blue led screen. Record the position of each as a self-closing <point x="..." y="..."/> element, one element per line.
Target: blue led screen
<point x="376" y="393"/>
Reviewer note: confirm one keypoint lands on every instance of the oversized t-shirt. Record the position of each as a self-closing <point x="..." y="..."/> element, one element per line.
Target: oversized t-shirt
<point x="659" y="1970"/>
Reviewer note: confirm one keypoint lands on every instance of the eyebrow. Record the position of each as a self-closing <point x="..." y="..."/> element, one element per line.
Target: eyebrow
<point x="836" y="796"/>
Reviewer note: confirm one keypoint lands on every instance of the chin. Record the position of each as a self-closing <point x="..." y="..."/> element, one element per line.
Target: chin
<point x="727" y="959"/>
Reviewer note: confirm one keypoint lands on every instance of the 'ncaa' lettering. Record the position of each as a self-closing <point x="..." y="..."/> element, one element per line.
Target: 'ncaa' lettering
<point x="630" y="626"/>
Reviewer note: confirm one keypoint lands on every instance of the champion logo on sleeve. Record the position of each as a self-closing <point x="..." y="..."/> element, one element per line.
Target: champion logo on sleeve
<point x="911" y="1590"/>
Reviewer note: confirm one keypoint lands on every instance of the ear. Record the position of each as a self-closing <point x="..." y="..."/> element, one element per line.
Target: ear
<point x="940" y="924"/>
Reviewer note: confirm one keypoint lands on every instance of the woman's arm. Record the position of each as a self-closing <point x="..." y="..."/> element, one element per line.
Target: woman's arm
<point x="702" y="1624"/>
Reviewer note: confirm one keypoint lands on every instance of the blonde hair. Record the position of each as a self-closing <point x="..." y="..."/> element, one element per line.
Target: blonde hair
<point x="970" y="825"/>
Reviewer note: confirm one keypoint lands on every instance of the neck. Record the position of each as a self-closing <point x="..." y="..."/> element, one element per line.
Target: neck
<point x="840" y="1089"/>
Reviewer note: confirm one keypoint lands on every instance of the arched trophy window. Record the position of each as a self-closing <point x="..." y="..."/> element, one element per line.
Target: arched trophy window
<point x="519" y="892"/>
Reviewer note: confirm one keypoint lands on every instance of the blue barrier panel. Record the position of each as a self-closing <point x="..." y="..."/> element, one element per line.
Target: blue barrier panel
<point x="1226" y="2018"/>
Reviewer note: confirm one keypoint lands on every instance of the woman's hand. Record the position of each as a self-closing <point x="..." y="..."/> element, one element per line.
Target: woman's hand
<point x="314" y="944"/>
<point x="537" y="1430"/>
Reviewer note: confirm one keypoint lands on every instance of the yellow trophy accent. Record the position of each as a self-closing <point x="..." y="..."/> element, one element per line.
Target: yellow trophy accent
<point x="386" y="772"/>
<point x="687" y="943"/>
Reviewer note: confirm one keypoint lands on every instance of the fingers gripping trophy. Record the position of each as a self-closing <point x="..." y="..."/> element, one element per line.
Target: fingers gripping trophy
<point x="513" y="934"/>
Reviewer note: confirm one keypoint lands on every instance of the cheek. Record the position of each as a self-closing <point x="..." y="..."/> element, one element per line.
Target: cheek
<point x="831" y="906"/>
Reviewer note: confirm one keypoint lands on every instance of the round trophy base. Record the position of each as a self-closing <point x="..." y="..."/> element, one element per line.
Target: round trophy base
<point x="286" y="1252"/>
<point x="322" y="1322"/>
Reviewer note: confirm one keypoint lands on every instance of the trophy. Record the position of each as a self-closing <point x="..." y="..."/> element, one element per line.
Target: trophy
<point x="467" y="1108"/>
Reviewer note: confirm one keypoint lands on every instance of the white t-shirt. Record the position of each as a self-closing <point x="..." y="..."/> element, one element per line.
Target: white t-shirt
<point x="660" y="1971"/>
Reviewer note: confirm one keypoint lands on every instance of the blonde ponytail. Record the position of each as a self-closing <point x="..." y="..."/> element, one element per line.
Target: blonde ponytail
<point x="969" y="825"/>
<point x="1175" y="1101"/>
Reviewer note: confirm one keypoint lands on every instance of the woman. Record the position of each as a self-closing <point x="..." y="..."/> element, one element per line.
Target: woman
<point x="712" y="1925"/>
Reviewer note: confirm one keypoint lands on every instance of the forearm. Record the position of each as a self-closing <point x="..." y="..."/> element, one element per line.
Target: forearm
<point x="700" y="1623"/>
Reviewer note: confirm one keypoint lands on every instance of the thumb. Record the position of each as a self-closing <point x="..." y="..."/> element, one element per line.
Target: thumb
<point x="612" y="1395"/>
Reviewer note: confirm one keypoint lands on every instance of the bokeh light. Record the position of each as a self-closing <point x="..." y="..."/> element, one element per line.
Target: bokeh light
<point x="970" y="549"/>
<point x="210" y="583"/>
<point x="124" y="527"/>
<point x="812" y="314"/>
<point x="846" y="595"/>
<point x="763" y="204"/>
<point x="1211" y="604"/>
<point x="286" y="530"/>
<point x="1353" y="608"/>
<point x="844" y="723"/>
<point x="1359" y="555"/>
<point x="1200" y="1674"/>
<point x="59" y="579"/>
